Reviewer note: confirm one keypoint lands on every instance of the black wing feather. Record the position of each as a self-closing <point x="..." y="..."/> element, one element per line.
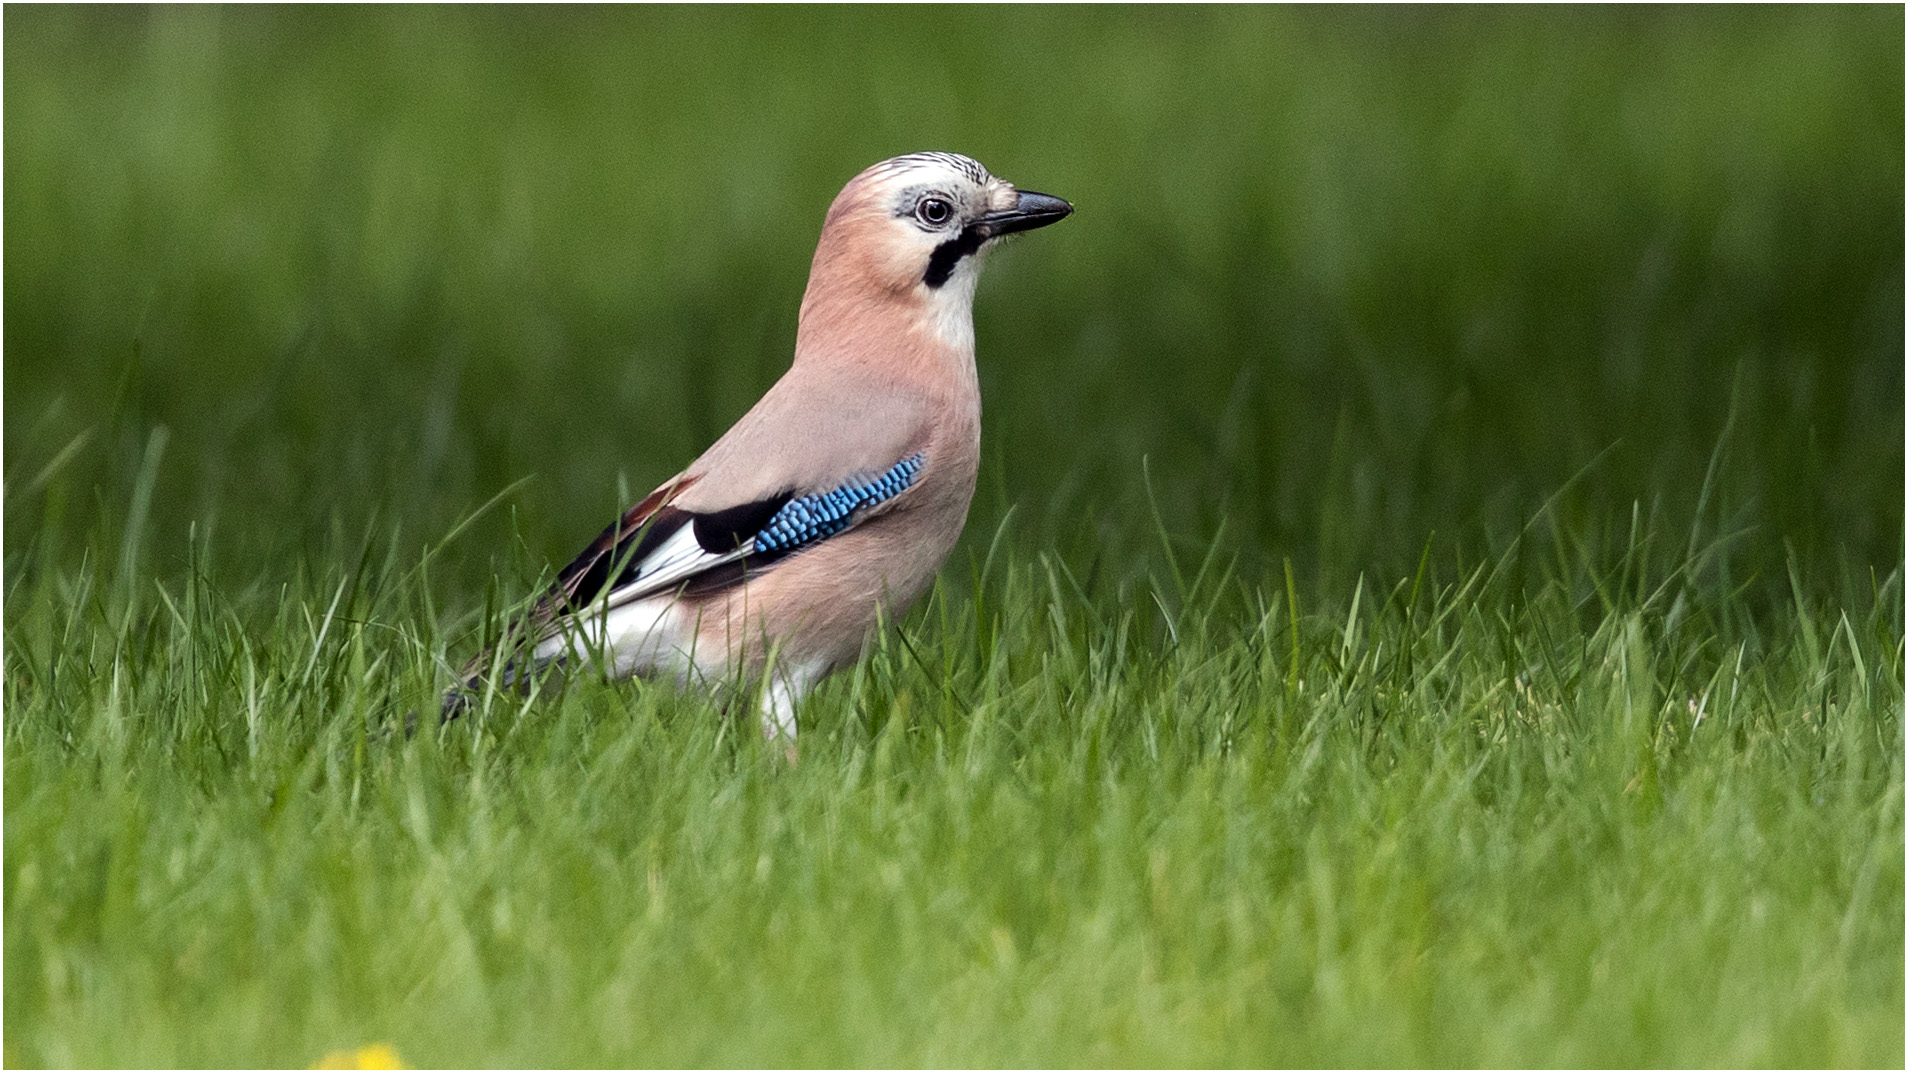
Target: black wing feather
<point x="727" y="529"/>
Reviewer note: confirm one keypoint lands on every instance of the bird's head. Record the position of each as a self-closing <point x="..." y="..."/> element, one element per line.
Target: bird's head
<point x="914" y="230"/>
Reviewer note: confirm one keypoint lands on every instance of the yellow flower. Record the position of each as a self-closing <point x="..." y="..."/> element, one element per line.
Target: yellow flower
<point x="369" y="1056"/>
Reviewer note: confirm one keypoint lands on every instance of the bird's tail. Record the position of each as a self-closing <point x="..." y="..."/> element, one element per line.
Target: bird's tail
<point x="458" y="699"/>
<point x="507" y="664"/>
<point x="461" y="697"/>
<point x="514" y="676"/>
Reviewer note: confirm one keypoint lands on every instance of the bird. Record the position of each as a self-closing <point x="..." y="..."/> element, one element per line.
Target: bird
<point x="832" y="502"/>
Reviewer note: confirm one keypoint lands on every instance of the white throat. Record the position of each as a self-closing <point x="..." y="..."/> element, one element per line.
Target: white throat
<point x="951" y="305"/>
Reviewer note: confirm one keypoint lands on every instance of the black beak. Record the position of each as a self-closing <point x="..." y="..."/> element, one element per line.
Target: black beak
<point x="1031" y="211"/>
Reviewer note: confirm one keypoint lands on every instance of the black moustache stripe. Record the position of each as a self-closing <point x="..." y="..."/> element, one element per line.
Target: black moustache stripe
<point x="948" y="254"/>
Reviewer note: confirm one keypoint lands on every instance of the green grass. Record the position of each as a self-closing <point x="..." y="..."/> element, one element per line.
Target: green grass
<point x="1434" y="597"/>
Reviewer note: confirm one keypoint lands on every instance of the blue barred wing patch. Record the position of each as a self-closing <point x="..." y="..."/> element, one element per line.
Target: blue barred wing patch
<point x="816" y="517"/>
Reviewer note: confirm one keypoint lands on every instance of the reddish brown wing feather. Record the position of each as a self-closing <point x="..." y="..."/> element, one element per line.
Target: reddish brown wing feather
<point x="627" y="540"/>
<point x="648" y="522"/>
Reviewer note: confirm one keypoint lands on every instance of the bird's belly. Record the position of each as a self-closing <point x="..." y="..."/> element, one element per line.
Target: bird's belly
<point x="818" y="606"/>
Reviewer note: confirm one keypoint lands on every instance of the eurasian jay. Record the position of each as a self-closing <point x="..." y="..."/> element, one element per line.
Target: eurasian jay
<point x="836" y="497"/>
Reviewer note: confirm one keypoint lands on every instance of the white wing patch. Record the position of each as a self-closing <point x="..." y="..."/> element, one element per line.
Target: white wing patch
<point x="674" y="561"/>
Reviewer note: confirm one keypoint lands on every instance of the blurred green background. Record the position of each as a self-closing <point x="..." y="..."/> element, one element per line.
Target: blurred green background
<point x="1353" y="281"/>
<point x="1596" y="312"/>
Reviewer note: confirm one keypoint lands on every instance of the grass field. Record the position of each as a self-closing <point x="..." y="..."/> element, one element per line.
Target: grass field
<point x="1434" y="596"/>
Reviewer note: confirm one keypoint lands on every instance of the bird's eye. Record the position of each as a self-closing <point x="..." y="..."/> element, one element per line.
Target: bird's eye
<point x="933" y="211"/>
